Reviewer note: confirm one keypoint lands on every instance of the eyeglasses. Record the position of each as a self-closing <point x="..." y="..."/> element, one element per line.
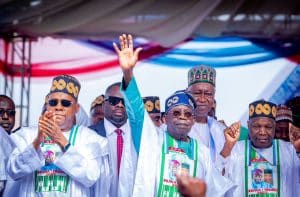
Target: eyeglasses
<point x="113" y="100"/>
<point x="177" y="113"/>
<point x="63" y="102"/>
<point x="9" y="112"/>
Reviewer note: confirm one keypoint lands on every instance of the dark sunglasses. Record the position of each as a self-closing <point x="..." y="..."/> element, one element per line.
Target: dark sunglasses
<point x="63" y="102"/>
<point x="113" y="100"/>
<point x="9" y="112"/>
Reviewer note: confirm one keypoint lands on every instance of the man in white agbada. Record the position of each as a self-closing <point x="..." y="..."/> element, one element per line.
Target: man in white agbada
<point x="6" y="147"/>
<point x="201" y="84"/>
<point x="159" y="162"/>
<point x="261" y="165"/>
<point x="59" y="158"/>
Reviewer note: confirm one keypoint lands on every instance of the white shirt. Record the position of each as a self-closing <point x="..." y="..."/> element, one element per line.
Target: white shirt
<point x="122" y="185"/>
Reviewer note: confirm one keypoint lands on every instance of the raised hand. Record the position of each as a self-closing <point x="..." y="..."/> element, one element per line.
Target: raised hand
<point x="295" y="136"/>
<point x="127" y="56"/>
<point x="232" y="135"/>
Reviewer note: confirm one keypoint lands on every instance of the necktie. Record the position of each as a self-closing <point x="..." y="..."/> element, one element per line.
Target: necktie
<point x="119" y="147"/>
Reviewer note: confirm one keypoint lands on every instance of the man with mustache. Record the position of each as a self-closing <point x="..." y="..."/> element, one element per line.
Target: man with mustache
<point x="207" y="130"/>
<point x="275" y="158"/>
<point x="59" y="158"/>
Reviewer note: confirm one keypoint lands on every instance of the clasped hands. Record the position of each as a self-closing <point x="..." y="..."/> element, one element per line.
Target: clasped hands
<point x="48" y="127"/>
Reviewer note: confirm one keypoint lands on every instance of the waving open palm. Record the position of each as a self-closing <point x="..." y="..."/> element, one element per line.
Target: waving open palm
<point x="127" y="56"/>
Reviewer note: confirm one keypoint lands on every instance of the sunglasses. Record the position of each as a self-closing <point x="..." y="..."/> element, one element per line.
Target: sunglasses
<point x="9" y="112"/>
<point x="113" y="100"/>
<point x="177" y="113"/>
<point x="63" y="102"/>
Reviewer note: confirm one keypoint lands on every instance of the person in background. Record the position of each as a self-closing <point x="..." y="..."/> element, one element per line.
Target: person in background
<point x="152" y="106"/>
<point x="7" y="121"/>
<point x="294" y="105"/>
<point x="261" y="165"/>
<point x="96" y="110"/>
<point x="163" y="117"/>
<point x="7" y="114"/>
<point x="283" y="118"/>
<point x="59" y="157"/>
<point x="6" y="147"/>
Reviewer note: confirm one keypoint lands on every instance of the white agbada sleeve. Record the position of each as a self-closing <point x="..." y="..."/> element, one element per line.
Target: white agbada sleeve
<point x="24" y="159"/>
<point x="102" y="186"/>
<point x="82" y="163"/>
<point x="6" y="147"/>
<point x="217" y="185"/>
<point x="145" y="135"/>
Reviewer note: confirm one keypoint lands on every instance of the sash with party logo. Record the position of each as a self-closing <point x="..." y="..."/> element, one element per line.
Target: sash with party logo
<point x="50" y="177"/>
<point x="262" y="178"/>
<point x="175" y="159"/>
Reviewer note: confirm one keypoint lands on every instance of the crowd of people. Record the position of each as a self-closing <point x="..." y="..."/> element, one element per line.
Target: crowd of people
<point x="129" y="147"/>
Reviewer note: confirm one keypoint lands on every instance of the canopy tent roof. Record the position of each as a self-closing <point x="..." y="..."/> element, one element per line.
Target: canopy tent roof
<point x="167" y="22"/>
<point x="262" y="62"/>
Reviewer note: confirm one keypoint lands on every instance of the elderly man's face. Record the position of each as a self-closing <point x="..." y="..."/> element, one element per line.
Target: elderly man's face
<point x="64" y="107"/>
<point x="179" y="121"/>
<point x="97" y="114"/>
<point x="7" y="114"/>
<point x="114" y="109"/>
<point x="204" y="94"/>
<point x="261" y="131"/>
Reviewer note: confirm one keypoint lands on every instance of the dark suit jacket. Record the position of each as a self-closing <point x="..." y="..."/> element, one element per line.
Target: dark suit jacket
<point x="99" y="128"/>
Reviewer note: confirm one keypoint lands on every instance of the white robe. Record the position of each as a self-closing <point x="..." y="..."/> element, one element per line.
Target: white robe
<point x="6" y="148"/>
<point x="85" y="163"/>
<point x="149" y="160"/>
<point x="210" y="134"/>
<point x="289" y="168"/>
